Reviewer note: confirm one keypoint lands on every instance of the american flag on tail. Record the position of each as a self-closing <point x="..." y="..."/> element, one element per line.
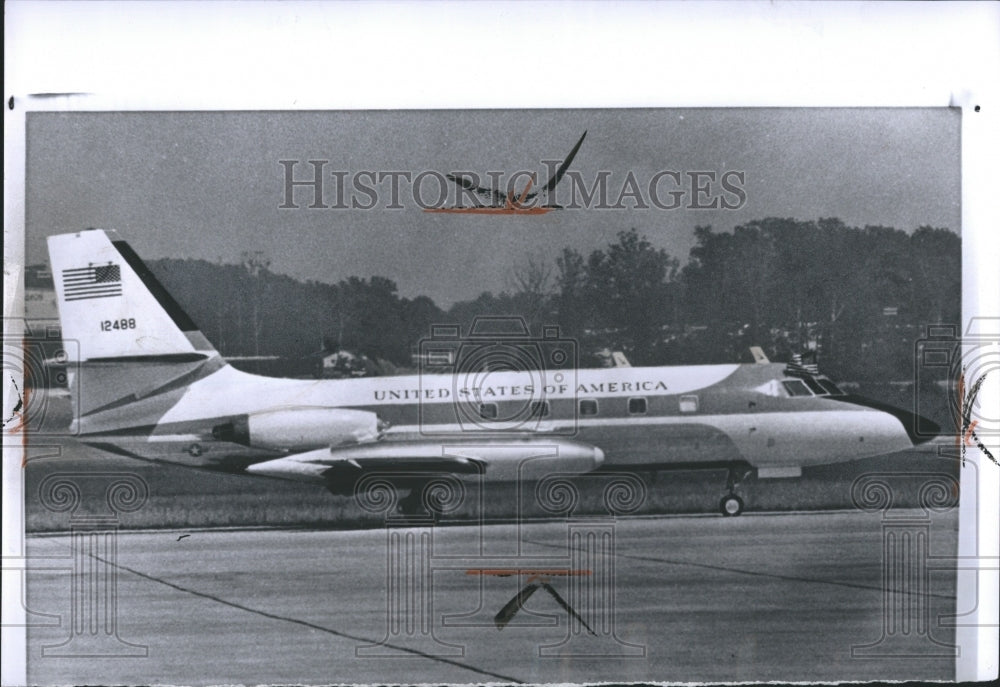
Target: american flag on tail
<point x="93" y="281"/>
<point x="796" y="368"/>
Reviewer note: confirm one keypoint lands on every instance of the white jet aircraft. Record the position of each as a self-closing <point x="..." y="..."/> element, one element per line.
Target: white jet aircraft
<point x="149" y="385"/>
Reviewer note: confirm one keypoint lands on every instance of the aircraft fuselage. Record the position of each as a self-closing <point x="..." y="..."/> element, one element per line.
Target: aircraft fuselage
<point x="638" y="417"/>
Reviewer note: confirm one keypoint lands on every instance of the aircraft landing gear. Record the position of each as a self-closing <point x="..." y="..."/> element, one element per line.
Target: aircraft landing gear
<point x="731" y="505"/>
<point x="427" y="500"/>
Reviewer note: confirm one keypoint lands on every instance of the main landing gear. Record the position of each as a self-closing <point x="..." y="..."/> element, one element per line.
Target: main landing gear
<point x="731" y="504"/>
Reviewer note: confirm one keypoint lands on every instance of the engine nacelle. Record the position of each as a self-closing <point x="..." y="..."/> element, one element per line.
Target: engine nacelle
<point x="297" y="429"/>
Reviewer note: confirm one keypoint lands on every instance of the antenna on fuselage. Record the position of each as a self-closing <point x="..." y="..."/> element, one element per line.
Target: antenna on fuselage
<point x="618" y="359"/>
<point x="758" y="355"/>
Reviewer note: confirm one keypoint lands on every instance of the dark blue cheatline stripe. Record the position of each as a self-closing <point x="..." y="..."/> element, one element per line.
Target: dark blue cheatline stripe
<point x="161" y="358"/>
<point x="173" y="309"/>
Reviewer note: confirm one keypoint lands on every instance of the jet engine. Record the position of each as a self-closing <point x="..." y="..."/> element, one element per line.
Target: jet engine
<point x="297" y="429"/>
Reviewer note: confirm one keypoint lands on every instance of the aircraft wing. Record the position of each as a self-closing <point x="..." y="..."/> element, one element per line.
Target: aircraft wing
<point x="498" y="458"/>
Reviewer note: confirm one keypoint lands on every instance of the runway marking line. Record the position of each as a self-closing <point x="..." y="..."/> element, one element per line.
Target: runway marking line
<point x="498" y="522"/>
<point x="304" y="623"/>
<point x="754" y="573"/>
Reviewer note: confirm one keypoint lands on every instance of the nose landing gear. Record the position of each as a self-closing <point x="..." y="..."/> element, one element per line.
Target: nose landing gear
<point x="731" y="505"/>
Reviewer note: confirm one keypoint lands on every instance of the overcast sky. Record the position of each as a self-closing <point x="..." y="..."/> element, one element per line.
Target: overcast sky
<point x="209" y="185"/>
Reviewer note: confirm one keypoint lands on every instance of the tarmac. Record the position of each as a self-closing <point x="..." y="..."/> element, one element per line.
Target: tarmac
<point x="796" y="596"/>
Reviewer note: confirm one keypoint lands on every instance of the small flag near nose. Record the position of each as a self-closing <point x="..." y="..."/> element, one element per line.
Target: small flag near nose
<point x="796" y="368"/>
<point x="94" y="281"/>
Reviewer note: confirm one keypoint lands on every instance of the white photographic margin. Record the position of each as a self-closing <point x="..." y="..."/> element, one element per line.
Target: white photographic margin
<point x="174" y="55"/>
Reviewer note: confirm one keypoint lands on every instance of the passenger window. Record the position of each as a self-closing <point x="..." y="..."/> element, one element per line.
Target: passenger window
<point x="588" y="406"/>
<point x="539" y="408"/>
<point x="637" y="406"/>
<point x="488" y="411"/>
<point x="689" y="404"/>
<point x="795" y="387"/>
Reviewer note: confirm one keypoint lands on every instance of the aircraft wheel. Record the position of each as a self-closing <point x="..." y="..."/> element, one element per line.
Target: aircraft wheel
<point x="731" y="505"/>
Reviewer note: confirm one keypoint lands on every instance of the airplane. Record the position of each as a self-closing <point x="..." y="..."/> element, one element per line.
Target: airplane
<point x="509" y="203"/>
<point x="149" y="385"/>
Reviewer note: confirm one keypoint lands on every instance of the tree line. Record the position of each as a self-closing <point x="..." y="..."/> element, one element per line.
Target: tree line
<point x="857" y="296"/>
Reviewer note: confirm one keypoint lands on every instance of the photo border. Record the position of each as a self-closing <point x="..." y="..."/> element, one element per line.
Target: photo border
<point x="147" y="56"/>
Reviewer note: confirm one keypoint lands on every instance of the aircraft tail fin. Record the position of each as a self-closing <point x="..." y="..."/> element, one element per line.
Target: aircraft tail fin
<point x="111" y="304"/>
<point x="134" y="340"/>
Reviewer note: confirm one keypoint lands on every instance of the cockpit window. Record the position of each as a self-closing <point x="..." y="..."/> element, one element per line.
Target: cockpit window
<point x="814" y="386"/>
<point x="831" y="388"/>
<point x="795" y="387"/>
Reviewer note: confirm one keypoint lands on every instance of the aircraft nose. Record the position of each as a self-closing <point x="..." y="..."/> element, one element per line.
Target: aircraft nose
<point x="918" y="428"/>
